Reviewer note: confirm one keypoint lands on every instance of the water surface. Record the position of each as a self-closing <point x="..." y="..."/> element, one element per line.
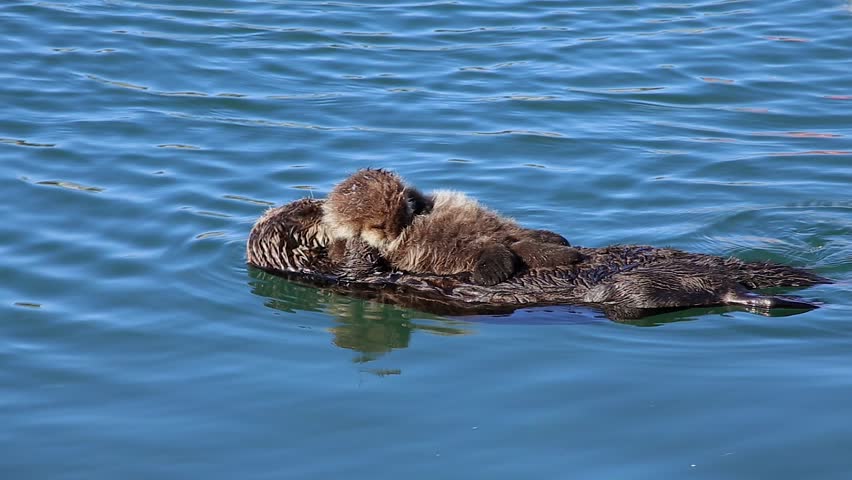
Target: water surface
<point x="141" y="139"/>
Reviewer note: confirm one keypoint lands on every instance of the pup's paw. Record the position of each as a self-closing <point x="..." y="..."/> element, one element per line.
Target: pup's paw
<point x="494" y="265"/>
<point x="546" y="255"/>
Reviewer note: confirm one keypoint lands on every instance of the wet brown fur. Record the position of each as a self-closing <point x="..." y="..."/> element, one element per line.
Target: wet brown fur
<point x="444" y="233"/>
<point x="293" y="238"/>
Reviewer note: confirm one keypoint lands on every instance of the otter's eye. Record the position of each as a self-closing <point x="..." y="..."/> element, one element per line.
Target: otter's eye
<point x="378" y="226"/>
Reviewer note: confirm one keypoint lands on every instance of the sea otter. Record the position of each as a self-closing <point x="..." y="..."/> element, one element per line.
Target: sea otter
<point x="627" y="282"/>
<point x="444" y="233"/>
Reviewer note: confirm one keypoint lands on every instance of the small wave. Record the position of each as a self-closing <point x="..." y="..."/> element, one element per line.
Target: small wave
<point x="202" y="236"/>
<point x="27" y="304"/>
<point x="179" y="146"/>
<point x="522" y="132"/>
<point x="248" y="200"/>
<point x="116" y="83"/>
<point x="70" y="186"/>
<point x="24" y="143"/>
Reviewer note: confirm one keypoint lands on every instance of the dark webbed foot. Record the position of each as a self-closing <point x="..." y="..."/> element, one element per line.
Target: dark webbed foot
<point x="545" y="255"/>
<point x="495" y="264"/>
<point x="546" y="236"/>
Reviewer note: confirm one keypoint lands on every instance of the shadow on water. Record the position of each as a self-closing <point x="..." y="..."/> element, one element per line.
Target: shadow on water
<point x="576" y="315"/>
<point x="697" y="313"/>
<point x="372" y="328"/>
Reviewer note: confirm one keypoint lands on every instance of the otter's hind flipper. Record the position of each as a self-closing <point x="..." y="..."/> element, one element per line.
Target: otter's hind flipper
<point x="767" y="302"/>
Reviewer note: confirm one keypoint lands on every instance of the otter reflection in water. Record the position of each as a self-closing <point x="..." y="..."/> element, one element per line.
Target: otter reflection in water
<point x="367" y="328"/>
<point x="625" y="281"/>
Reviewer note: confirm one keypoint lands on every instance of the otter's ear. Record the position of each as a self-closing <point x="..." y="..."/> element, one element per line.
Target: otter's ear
<point x="418" y="202"/>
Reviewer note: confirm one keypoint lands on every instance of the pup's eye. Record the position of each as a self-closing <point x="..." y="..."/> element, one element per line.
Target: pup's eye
<point x="378" y="226"/>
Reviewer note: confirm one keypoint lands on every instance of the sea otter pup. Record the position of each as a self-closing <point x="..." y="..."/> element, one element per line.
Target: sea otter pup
<point x="443" y="234"/>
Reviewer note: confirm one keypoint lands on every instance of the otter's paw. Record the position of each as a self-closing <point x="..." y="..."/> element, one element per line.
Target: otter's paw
<point x="565" y="256"/>
<point x="546" y="236"/>
<point x="539" y="255"/>
<point x="354" y="258"/>
<point x="495" y="264"/>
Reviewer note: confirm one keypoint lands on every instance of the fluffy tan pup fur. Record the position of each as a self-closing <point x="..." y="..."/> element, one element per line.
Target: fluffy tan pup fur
<point x="444" y="233"/>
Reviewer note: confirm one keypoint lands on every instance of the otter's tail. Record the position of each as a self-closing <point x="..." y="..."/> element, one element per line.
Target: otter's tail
<point x="759" y="275"/>
<point x="766" y="302"/>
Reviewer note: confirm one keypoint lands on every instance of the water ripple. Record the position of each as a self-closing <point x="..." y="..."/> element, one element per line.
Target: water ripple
<point x="70" y="185"/>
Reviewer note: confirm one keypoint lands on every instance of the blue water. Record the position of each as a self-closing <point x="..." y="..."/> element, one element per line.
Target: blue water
<point x="140" y="140"/>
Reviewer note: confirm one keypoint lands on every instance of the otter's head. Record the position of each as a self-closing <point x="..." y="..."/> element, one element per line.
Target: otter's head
<point x="374" y="205"/>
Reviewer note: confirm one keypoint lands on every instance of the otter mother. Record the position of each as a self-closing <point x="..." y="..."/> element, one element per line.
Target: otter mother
<point x="627" y="281"/>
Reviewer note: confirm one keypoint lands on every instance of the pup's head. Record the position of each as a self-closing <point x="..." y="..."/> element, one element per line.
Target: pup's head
<point x="374" y="205"/>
